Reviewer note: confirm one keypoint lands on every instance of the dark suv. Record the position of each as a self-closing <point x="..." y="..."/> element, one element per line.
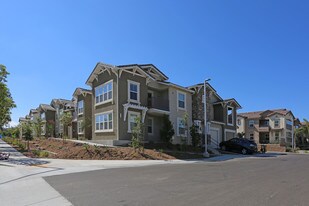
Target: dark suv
<point x="241" y="145"/>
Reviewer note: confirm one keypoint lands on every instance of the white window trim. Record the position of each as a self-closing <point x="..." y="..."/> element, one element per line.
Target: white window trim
<point x="227" y="116"/>
<point x="138" y="92"/>
<point x="106" y="130"/>
<point x="180" y="108"/>
<point x="129" y="114"/>
<point x="151" y="126"/>
<point x="106" y="101"/>
<point x="228" y="130"/>
<point x="279" y="123"/>
<point x="249" y="123"/>
<point x="180" y="135"/>
<point x="80" y="113"/>
<point x="79" y="122"/>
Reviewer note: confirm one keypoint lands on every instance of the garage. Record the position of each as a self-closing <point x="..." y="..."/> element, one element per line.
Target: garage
<point x="215" y="140"/>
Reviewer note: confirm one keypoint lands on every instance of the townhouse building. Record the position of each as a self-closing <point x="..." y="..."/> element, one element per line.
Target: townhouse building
<point x="120" y="94"/>
<point x="61" y="106"/>
<point x="221" y="114"/>
<point x="83" y="113"/>
<point x="268" y="127"/>
<point x="47" y="115"/>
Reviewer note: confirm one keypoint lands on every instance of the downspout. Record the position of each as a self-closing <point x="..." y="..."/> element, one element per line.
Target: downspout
<point x="117" y="105"/>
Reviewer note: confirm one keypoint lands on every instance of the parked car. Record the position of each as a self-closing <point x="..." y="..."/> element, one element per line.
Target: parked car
<point x="241" y="145"/>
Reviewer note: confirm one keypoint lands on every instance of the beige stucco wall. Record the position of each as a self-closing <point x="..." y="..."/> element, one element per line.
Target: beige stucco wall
<point x="176" y="112"/>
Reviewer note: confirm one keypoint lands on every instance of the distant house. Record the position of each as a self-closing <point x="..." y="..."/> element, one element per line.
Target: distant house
<point x="120" y="94"/>
<point x="274" y="126"/>
<point x="47" y="115"/>
<point x="83" y="113"/>
<point x="221" y="114"/>
<point x="33" y="116"/>
<point x="61" y="106"/>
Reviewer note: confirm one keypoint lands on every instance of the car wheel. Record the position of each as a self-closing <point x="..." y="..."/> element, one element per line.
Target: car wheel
<point x="244" y="151"/>
<point x="223" y="148"/>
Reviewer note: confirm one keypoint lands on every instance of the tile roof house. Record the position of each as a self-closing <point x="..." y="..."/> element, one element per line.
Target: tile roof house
<point x="274" y="126"/>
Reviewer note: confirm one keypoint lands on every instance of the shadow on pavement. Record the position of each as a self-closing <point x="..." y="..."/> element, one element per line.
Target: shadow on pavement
<point x="26" y="161"/>
<point x="226" y="157"/>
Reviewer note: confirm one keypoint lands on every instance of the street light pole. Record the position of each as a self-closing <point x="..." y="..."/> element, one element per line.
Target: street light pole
<point x="206" y="154"/>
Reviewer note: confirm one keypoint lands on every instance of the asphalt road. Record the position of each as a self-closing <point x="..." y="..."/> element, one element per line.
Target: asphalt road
<point x="282" y="180"/>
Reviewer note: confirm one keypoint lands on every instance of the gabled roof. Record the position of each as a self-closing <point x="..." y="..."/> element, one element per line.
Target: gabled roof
<point x="79" y="91"/>
<point x="61" y="101"/>
<point x="234" y="101"/>
<point x="198" y="87"/>
<point x="146" y="70"/>
<point x="46" y="107"/>
<point x="33" y="111"/>
<point x="22" y="119"/>
<point x="265" y="113"/>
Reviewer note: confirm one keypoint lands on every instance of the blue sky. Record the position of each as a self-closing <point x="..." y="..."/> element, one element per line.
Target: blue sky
<point x="254" y="51"/>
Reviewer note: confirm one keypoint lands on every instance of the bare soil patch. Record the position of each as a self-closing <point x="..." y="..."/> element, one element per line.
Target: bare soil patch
<point x="59" y="149"/>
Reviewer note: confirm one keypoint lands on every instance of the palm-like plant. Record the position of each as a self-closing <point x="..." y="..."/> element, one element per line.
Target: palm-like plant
<point x="303" y="131"/>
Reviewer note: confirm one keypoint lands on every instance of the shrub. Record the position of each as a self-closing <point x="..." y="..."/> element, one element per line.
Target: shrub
<point x="196" y="137"/>
<point x="137" y="135"/>
<point x="167" y="132"/>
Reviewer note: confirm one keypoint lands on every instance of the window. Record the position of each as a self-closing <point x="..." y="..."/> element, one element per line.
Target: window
<point x="60" y="112"/>
<point x="104" y="93"/>
<point x="277" y="122"/>
<point x="289" y="124"/>
<point x="132" y="120"/>
<point x="104" y="122"/>
<point x="43" y="129"/>
<point x="133" y="91"/>
<point x="150" y="125"/>
<point x="181" y="97"/>
<point x="80" y="127"/>
<point x="238" y="122"/>
<point x="277" y="136"/>
<point x="251" y="136"/>
<point x="198" y="126"/>
<point x="80" y="107"/>
<point x="181" y="129"/>
<point x="251" y="123"/>
<point x="43" y="117"/>
<point x="230" y="115"/>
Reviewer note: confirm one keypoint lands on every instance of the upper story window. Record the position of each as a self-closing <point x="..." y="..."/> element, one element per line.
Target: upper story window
<point x="289" y="124"/>
<point x="238" y="122"/>
<point x="43" y="117"/>
<point x="251" y="123"/>
<point x="133" y="91"/>
<point x="181" y="98"/>
<point x="104" y="122"/>
<point x="277" y="123"/>
<point x="80" y="127"/>
<point x="104" y="93"/>
<point x="80" y="107"/>
<point x="230" y="115"/>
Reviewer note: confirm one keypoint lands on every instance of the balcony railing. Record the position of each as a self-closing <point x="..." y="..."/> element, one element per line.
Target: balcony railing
<point x="158" y="103"/>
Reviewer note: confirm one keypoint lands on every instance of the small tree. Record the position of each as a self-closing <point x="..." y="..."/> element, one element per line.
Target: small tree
<point x="37" y="127"/>
<point x="6" y="100"/>
<point x="66" y="120"/>
<point x="50" y="128"/>
<point x="27" y="130"/>
<point x="167" y="132"/>
<point x="138" y="135"/>
<point x="195" y="136"/>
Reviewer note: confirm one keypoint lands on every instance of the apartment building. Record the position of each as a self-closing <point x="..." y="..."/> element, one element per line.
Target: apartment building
<point x="221" y="114"/>
<point x="120" y="94"/>
<point x="268" y="127"/>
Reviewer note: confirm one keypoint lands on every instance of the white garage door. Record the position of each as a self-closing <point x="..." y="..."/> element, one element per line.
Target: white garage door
<point x="215" y="141"/>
